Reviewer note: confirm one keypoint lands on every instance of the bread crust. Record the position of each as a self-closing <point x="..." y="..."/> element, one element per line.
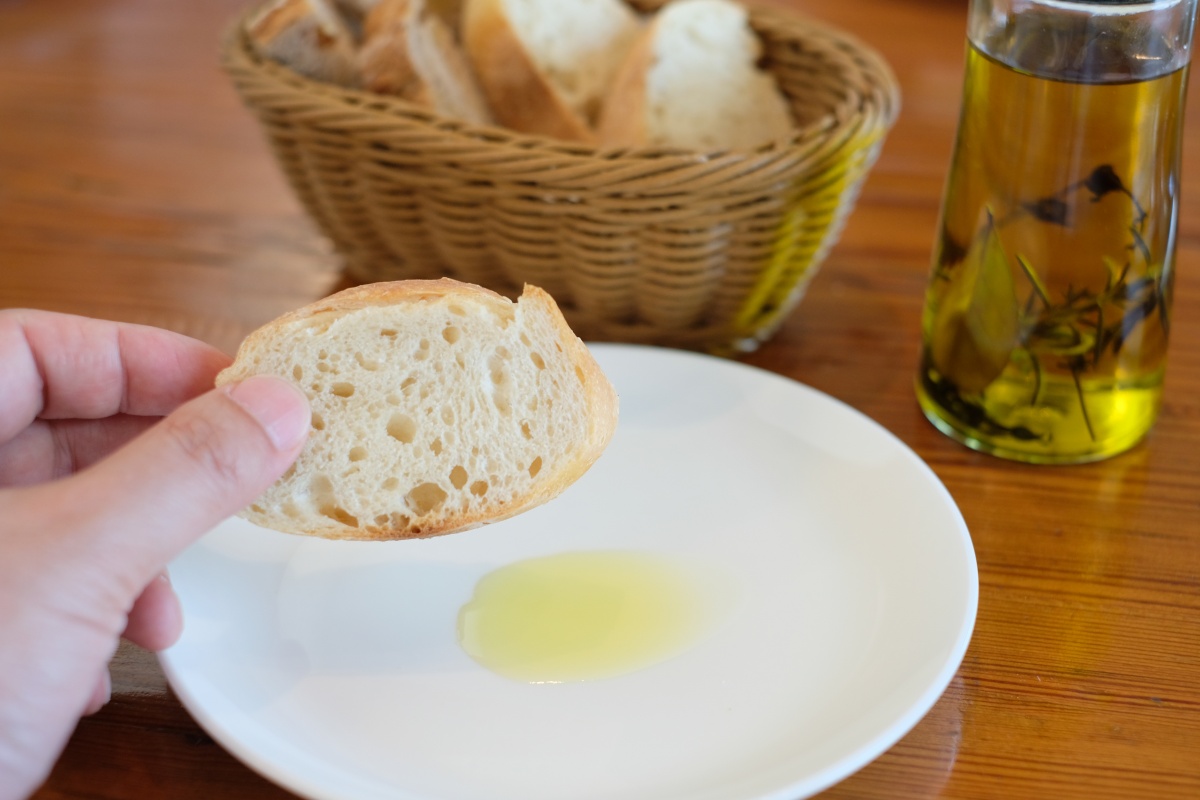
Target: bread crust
<point x="520" y="97"/>
<point x="308" y="37"/>
<point x="384" y="57"/>
<point x="622" y="121"/>
<point x="386" y="293"/>
<point x="410" y="52"/>
<point x="601" y="402"/>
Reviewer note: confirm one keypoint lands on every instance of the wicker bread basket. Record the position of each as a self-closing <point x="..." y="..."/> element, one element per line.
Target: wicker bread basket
<point x="706" y="251"/>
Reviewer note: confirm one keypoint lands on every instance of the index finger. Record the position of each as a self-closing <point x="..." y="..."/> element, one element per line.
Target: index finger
<point x="59" y="366"/>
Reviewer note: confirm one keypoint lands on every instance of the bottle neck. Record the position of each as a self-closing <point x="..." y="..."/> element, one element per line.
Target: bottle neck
<point x="1086" y="42"/>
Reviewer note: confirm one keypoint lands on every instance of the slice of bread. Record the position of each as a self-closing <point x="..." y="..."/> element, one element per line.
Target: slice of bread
<point x="545" y="65"/>
<point x="308" y="36"/>
<point x="410" y="51"/>
<point x="437" y="406"/>
<point x="692" y="81"/>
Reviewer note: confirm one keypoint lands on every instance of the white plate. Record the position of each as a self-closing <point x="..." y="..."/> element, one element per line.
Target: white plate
<point x="333" y="668"/>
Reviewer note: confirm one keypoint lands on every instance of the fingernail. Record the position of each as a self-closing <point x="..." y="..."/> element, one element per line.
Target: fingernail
<point x="278" y="406"/>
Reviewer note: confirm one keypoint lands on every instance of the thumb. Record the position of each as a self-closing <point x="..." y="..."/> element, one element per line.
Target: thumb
<point x="144" y="504"/>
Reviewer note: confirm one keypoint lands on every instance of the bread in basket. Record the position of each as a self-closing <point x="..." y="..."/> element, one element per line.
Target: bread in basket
<point x="702" y="250"/>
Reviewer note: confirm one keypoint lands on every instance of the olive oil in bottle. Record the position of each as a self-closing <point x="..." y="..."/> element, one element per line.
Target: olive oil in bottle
<point x="1047" y="312"/>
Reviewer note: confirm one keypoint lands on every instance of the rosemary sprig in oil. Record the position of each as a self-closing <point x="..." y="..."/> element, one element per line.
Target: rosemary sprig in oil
<point x="1075" y="330"/>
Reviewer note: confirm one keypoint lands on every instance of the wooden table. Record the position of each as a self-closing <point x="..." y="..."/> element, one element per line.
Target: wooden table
<point x="134" y="186"/>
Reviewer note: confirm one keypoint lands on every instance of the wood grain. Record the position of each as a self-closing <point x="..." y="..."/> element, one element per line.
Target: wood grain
<point x="134" y="186"/>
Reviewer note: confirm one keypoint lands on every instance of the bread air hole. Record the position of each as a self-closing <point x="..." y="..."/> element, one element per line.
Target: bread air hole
<point x="358" y="453"/>
<point x="579" y="374"/>
<point x="458" y="477"/>
<point x="535" y="467"/>
<point x="323" y="498"/>
<point x="318" y="422"/>
<point x="426" y="498"/>
<point x="526" y="429"/>
<point x="537" y="360"/>
<point x="402" y="428"/>
<point x="339" y="514"/>
<point x="452" y="334"/>
<point x="298" y="372"/>
<point x="422" y="350"/>
<point x="366" y="363"/>
<point x="322" y="366"/>
<point x="435" y="447"/>
<point x="502" y="385"/>
<point x="388" y="333"/>
<point x="394" y="521"/>
<point x="479" y="488"/>
<point x="456" y="309"/>
<point x="448" y="415"/>
<point x="390" y="485"/>
<point x="342" y="389"/>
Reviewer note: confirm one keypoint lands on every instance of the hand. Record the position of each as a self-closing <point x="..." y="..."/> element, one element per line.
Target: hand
<point x="108" y="469"/>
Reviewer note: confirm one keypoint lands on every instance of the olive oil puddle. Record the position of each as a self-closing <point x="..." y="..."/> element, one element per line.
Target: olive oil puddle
<point x="583" y="616"/>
